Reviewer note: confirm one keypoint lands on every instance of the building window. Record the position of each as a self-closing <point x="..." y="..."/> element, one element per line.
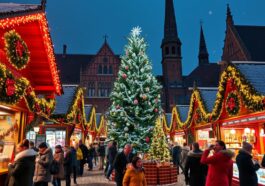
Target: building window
<point x="105" y="59"/>
<point x="173" y="50"/>
<point x="167" y="50"/>
<point x="105" y="70"/>
<point x="91" y="89"/>
<point x="179" y="51"/>
<point x="110" y="70"/>
<point x="99" y="69"/>
<point x="104" y="89"/>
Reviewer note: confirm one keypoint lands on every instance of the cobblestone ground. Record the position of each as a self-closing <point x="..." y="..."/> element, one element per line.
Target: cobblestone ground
<point x="96" y="178"/>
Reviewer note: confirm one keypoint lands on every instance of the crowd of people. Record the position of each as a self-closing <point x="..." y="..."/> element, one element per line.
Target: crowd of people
<point x="212" y="167"/>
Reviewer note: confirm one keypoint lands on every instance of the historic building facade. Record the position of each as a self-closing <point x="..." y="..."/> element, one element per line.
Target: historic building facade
<point x="96" y="73"/>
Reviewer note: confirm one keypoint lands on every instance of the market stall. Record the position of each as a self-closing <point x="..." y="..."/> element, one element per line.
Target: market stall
<point x="28" y="75"/>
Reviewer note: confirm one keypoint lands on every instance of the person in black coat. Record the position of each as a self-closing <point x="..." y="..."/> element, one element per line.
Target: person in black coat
<point x="176" y="152"/>
<point x="195" y="172"/>
<point x="67" y="165"/>
<point x="120" y="163"/>
<point x="246" y="166"/>
<point x="22" y="170"/>
<point x="112" y="152"/>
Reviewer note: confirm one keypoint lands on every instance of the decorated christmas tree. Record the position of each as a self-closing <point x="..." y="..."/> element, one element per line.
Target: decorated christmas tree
<point x="159" y="150"/>
<point x="135" y="97"/>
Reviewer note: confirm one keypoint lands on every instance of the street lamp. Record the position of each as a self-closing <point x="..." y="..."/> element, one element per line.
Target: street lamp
<point x="36" y="129"/>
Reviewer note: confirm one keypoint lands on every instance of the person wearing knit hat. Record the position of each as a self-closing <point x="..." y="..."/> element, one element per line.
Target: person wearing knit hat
<point x="247" y="167"/>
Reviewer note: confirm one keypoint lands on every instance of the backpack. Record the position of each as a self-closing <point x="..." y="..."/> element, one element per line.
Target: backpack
<point x="54" y="168"/>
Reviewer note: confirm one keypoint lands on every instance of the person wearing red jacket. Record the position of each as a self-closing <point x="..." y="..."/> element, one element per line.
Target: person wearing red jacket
<point x="220" y="165"/>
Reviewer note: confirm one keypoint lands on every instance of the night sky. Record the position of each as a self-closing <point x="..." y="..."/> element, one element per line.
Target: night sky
<point x="81" y="24"/>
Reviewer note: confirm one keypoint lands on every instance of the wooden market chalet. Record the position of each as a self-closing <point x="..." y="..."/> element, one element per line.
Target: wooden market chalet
<point x="30" y="86"/>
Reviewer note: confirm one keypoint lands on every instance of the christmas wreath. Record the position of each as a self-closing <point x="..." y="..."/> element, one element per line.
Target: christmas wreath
<point x="16" y="49"/>
<point x="232" y="104"/>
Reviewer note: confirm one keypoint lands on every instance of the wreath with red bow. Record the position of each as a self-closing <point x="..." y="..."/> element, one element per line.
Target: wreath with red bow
<point x="16" y="50"/>
<point x="232" y="104"/>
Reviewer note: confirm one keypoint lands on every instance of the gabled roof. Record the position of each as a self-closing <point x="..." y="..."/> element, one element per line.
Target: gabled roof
<point x="168" y="119"/>
<point x="64" y="101"/>
<point x="70" y="66"/>
<point x="88" y="110"/>
<point x="253" y="38"/>
<point x="254" y="74"/>
<point x="10" y="9"/>
<point x="199" y="76"/>
<point x="208" y="96"/>
<point x="30" y="22"/>
<point x="183" y="111"/>
<point x="98" y="119"/>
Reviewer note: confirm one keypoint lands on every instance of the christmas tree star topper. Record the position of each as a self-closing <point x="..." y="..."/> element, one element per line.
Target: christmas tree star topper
<point x="136" y="31"/>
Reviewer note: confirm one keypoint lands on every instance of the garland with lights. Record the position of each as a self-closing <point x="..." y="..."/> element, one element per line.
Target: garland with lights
<point x="232" y="104"/>
<point x="16" y="50"/>
<point x="231" y="79"/>
<point x="75" y="113"/>
<point x="14" y="89"/>
<point x="198" y="116"/>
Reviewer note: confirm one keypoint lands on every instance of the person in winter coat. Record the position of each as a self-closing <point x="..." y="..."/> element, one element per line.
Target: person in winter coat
<point x="43" y="161"/>
<point x="101" y="153"/>
<point x="73" y="162"/>
<point x="58" y="157"/>
<point x="67" y="165"/>
<point x="176" y="154"/>
<point x="84" y="160"/>
<point x="120" y="163"/>
<point x="90" y="156"/>
<point x="112" y="152"/>
<point x="246" y="166"/>
<point x="22" y="170"/>
<point x="134" y="175"/>
<point x="184" y="154"/>
<point x="79" y="157"/>
<point x="220" y="165"/>
<point x="195" y="172"/>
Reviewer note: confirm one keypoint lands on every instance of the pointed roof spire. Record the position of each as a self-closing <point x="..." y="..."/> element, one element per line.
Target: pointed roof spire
<point x="229" y="17"/>
<point x="203" y="52"/>
<point x="105" y="38"/>
<point x="170" y="28"/>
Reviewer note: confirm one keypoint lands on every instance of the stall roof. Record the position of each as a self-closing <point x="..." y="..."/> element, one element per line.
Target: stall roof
<point x="254" y="74"/>
<point x="88" y="110"/>
<point x="183" y="111"/>
<point x="208" y="97"/>
<point x="168" y="119"/>
<point x="30" y="22"/>
<point x="64" y="101"/>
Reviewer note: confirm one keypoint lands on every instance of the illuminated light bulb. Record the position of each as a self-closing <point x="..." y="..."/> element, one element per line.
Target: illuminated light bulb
<point x="247" y="130"/>
<point x="232" y="131"/>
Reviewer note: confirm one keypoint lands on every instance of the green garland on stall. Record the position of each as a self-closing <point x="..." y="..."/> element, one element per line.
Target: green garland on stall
<point x="17" y="51"/>
<point x="41" y="106"/>
<point x="75" y="110"/>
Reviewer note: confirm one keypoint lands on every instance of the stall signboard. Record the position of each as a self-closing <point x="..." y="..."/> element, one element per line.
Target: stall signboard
<point x="39" y="139"/>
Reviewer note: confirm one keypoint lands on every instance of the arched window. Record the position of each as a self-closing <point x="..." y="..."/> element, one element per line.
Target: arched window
<point x="167" y="50"/>
<point x="99" y="69"/>
<point x="110" y="70"/>
<point x="173" y="50"/>
<point x="105" y="70"/>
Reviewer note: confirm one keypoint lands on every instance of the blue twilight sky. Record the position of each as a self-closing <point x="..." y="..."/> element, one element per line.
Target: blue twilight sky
<point x="81" y="24"/>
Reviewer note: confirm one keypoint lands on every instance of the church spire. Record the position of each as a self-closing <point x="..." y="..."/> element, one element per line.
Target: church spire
<point x="170" y="32"/>
<point x="170" y="28"/>
<point x="229" y="17"/>
<point x="203" y="53"/>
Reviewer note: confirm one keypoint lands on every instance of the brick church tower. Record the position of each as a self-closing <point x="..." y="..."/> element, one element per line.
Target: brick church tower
<point x="171" y="58"/>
